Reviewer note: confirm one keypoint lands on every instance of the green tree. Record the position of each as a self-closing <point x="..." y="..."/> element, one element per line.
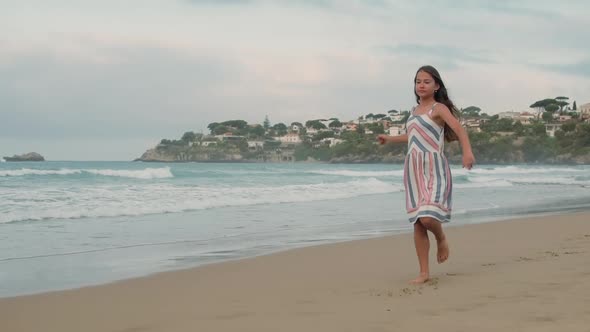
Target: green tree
<point x="575" y="107"/>
<point x="220" y="130"/>
<point x="562" y="102"/>
<point x="280" y="129"/>
<point x="552" y="108"/>
<point x="569" y="126"/>
<point x="360" y="129"/>
<point x="582" y="136"/>
<point x="335" y="124"/>
<point x="238" y="124"/>
<point x="494" y="124"/>
<point x="189" y="136"/>
<point x="376" y="128"/>
<point x="547" y="116"/>
<point x="321" y="135"/>
<point x="315" y="124"/>
<point x="471" y="111"/>
<point x="212" y="126"/>
<point x="257" y="131"/>
<point x="266" y="123"/>
<point x="351" y="136"/>
<point x="538" y="129"/>
<point x="271" y="144"/>
<point x="541" y="105"/>
<point x="518" y="128"/>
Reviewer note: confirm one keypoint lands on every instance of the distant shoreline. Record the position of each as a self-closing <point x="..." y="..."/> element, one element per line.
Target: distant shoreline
<point x="342" y="163"/>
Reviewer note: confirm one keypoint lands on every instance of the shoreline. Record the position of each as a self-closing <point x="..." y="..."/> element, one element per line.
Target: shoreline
<point x="324" y="285"/>
<point x="311" y="244"/>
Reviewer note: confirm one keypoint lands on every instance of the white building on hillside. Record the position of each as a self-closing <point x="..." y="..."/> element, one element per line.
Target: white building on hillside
<point x="397" y="129"/>
<point x="585" y="111"/>
<point x="551" y="128"/>
<point x="290" y="138"/>
<point x="255" y="145"/>
<point x="525" y="118"/>
<point x="331" y="141"/>
<point x="508" y="115"/>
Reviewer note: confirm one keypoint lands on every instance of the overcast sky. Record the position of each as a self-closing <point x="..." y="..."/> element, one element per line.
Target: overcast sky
<point x="106" y="79"/>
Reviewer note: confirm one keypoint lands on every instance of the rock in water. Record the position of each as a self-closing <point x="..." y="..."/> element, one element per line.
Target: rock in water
<point x="31" y="156"/>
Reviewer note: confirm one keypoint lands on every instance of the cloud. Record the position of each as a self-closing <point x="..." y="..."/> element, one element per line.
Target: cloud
<point x="580" y="68"/>
<point x="518" y="8"/>
<point x="448" y="56"/>
<point x="147" y="89"/>
<point x="220" y="2"/>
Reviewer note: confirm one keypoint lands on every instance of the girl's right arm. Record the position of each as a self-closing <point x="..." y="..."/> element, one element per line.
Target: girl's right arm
<point x="384" y="139"/>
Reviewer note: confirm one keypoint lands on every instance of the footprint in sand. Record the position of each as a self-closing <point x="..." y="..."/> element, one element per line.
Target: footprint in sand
<point x="524" y="259"/>
<point x="552" y="253"/>
<point x="571" y="252"/>
<point x="417" y="289"/>
<point x="410" y="291"/>
<point x="488" y="264"/>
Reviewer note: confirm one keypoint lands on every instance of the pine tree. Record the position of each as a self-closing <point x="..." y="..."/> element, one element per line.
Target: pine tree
<point x="266" y="123"/>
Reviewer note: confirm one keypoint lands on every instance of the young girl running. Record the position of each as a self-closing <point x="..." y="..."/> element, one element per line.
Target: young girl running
<point x="427" y="176"/>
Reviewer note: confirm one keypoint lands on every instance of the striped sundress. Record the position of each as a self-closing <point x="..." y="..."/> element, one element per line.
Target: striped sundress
<point x="427" y="176"/>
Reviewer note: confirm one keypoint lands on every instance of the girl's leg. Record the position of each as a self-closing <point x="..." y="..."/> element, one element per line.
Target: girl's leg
<point x="422" y="244"/>
<point x="435" y="227"/>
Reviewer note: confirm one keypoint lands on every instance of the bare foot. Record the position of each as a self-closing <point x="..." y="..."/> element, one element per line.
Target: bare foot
<point x="421" y="279"/>
<point x="443" y="251"/>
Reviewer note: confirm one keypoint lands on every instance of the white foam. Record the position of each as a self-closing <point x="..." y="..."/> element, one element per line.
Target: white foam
<point x="359" y="173"/>
<point x="549" y="180"/>
<point x="147" y="173"/>
<point x="484" y="183"/>
<point x="122" y="200"/>
<point x="28" y="171"/>
<point x="515" y="170"/>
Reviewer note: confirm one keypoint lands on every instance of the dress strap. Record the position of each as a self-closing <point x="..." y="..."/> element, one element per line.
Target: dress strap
<point x="432" y="109"/>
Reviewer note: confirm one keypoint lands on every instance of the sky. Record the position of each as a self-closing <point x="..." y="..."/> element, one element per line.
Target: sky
<point x="108" y="79"/>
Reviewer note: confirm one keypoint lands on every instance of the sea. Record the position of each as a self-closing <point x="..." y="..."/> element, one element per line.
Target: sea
<point x="69" y="224"/>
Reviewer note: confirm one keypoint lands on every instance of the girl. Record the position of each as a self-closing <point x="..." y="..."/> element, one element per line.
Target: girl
<point x="427" y="176"/>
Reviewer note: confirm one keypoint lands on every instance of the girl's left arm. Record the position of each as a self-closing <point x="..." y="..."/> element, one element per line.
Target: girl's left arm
<point x="451" y="121"/>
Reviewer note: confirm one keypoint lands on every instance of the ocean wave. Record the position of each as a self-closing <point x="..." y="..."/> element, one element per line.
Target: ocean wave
<point x="549" y="180"/>
<point x="484" y="183"/>
<point x="147" y="173"/>
<point x="359" y="173"/>
<point x="123" y="200"/>
<point x="515" y="170"/>
<point x="28" y="171"/>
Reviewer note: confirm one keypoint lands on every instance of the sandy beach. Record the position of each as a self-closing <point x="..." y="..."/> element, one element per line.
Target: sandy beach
<point x="520" y="275"/>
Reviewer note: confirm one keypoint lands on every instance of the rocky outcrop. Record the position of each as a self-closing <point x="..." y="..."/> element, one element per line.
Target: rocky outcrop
<point x="175" y="154"/>
<point x="156" y="155"/>
<point x="31" y="156"/>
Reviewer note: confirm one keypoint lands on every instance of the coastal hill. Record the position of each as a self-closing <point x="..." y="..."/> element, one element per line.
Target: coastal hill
<point x="551" y="133"/>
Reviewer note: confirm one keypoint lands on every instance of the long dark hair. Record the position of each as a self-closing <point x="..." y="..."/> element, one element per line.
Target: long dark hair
<point x="440" y="96"/>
